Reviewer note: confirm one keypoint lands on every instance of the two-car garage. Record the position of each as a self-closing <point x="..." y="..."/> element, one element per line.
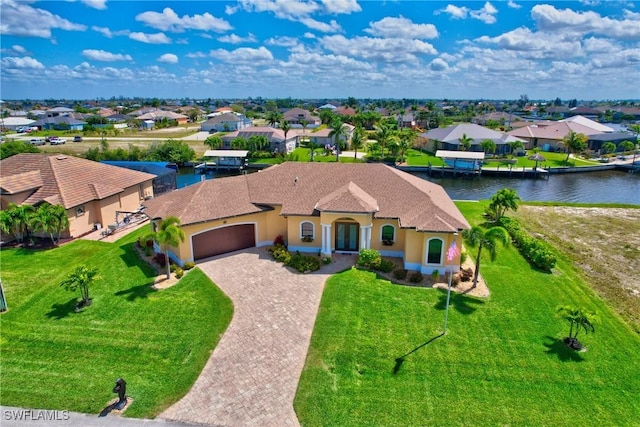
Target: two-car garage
<point x="223" y="240"/>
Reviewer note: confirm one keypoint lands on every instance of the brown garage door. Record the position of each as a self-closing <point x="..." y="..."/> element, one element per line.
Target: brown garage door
<point x="223" y="240"/>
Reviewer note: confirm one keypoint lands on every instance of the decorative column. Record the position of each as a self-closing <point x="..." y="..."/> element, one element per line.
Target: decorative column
<point x="365" y="236"/>
<point x="326" y="239"/>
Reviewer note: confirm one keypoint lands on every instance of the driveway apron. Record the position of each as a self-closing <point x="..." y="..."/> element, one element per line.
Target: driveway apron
<point x="252" y="376"/>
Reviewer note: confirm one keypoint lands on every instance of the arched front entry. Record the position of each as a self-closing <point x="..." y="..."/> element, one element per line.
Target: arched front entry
<point x="223" y="240"/>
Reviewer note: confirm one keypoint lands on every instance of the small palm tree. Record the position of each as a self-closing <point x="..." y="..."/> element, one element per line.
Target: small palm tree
<point x="514" y="145"/>
<point x="575" y="143"/>
<point x="213" y="142"/>
<point x="20" y="219"/>
<point x="80" y="279"/>
<point x="357" y="140"/>
<point x="50" y="219"/>
<point x="579" y="319"/>
<point x="465" y="142"/>
<point x="489" y="239"/>
<point x="608" y="147"/>
<point x="504" y="200"/>
<point x="337" y="131"/>
<point x="383" y="134"/>
<point x="169" y="234"/>
<point x="488" y="146"/>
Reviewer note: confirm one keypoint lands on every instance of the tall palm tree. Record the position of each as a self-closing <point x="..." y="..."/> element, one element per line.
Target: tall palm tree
<point x="169" y="234"/>
<point x="406" y="137"/>
<point x="337" y="131"/>
<point x="489" y="239"/>
<point x="575" y="143"/>
<point x="465" y="142"/>
<point x="357" y="140"/>
<point x="383" y="134"/>
<point x="273" y="118"/>
<point x="286" y="127"/>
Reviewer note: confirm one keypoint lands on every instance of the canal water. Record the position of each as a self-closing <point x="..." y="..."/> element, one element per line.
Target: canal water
<point x="587" y="187"/>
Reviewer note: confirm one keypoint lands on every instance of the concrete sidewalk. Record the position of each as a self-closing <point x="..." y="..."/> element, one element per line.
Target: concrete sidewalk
<point x="19" y="417"/>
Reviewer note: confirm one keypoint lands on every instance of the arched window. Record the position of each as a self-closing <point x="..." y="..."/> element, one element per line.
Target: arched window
<point x="434" y="251"/>
<point x="388" y="234"/>
<point x="307" y="231"/>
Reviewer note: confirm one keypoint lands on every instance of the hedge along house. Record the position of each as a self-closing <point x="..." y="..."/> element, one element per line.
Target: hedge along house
<point x="319" y="208"/>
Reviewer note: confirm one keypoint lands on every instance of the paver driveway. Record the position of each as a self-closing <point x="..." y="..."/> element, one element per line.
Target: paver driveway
<point x="251" y="377"/>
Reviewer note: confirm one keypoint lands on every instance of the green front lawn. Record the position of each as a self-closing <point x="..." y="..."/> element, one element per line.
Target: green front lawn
<point x="158" y="341"/>
<point x="502" y="361"/>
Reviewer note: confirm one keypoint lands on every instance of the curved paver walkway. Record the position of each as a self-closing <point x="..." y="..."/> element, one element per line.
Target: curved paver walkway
<point x="252" y="376"/>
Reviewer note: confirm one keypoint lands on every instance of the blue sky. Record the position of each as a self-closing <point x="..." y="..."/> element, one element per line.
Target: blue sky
<point x="320" y="49"/>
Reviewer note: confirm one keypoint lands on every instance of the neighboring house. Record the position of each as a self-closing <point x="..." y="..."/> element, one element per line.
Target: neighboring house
<point x="345" y="111"/>
<point x="321" y="137"/>
<point x="318" y="208"/>
<point x="147" y="124"/>
<point x="558" y="111"/>
<point x="327" y="107"/>
<point x="296" y="116"/>
<point x="502" y="117"/>
<point x="225" y="123"/>
<point x="595" y="141"/>
<point x="91" y="192"/>
<point x="13" y="123"/>
<point x="166" y="174"/>
<point x="159" y="115"/>
<point x="585" y="111"/>
<point x="59" y="111"/>
<point x="549" y="136"/>
<point x="406" y="120"/>
<point x="274" y="136"/>
<point x="449" y="137"/>
<point x="60" y="123"/>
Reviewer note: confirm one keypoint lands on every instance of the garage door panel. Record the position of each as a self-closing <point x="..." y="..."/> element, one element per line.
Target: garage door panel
<point x="223" y="240"/>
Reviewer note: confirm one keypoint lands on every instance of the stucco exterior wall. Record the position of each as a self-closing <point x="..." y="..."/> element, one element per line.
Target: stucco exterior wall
<point x="81" y="223"/>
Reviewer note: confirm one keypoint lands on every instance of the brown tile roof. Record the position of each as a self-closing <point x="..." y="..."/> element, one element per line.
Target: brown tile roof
<point x="556" y="131"/>
<point x="68" y="180"/>
<point x="21" y="182"/>
<point x="304" y="188"/>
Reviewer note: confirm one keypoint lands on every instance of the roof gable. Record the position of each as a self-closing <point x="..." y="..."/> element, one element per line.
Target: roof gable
<point x="349" y="198"/>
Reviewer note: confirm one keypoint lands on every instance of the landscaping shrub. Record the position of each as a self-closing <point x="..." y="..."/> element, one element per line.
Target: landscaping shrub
<point x="179" y="273"/>
<point x="369" y="258"/>
<point x="400" y="273"/>
<point x="385" y="266"/>
<point x="188" y="265"/>
<point x="435" y="274"/>
<point x="466" y="274"/>
<point x="278" y="241"/>
<point x="303" y="263"/>
<point x="173" y="267"/>
<point x="463" y="257"/>
<point x="537" y="252"/>
<point x="281" y="254"/>
<point x="415" y="277"/>
<point x="326" y="260"/>
<point x="455" y="280"/>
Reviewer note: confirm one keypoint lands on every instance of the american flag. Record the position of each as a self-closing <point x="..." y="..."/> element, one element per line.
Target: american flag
<point x="453" y="251"/>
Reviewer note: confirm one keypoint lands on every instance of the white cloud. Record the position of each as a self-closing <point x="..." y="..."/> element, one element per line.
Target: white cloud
<point x="536" y="45"/>
<point x="331" y="27"/>
<point x="283" y="9"/>
<point x="283" y="41"/>
<point x="21" y="19"/>
<point x="243" y="55"/>
<point x="596" y="45"/>
<point x="158" y="38"/>
<point x="439" y="64"/>
<point x="378" y="49"/>
<point x="341" y="6"/>
<point x="548" y="18"/>
<point x="102" y="55"/>
<point x="236" y="39"/>
<point x="401" y="28"/>
<point x="108" y="33"/>
<point x="96" y="4"/>
<point x="513" y="5"/>
<point x="168" y="20"/>
<point x="25" y="62"/>
<point x="168" y="58"/>
<point x="486" y="14"/>
<point x="18" y="49"/>
<point x="455" y="11"/>
<point x="309" y="35"/>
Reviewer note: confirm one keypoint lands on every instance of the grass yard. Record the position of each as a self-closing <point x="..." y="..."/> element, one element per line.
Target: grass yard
<point x="158" y="341"/>
<point x="501" y="363"/>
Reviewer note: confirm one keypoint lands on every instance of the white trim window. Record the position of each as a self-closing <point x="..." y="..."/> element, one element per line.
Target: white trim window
<point x="435" y="247"/>
<point x="388" y="234"/>
<point x="307" y="231"/>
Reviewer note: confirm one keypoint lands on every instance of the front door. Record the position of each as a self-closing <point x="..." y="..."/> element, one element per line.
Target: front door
<point x="347" y="234"/>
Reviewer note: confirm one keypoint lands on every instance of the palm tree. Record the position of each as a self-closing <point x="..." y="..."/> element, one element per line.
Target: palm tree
<point x="20" y="219"/>
<point x="465" y="142"/>
<point x="286" y="127"/>
<point x="626" y="145"/>
<point x="213" y="142"/>
<point x="575" y="143"/>
<point x="489" y="239"/>
<point x="169" y="234"/>
<point x="357" y="140"/>
<point x="81" y="278"/>
<point x="383" y="134"/>
<point x="337" y="131"/>
<point x="488" y="146"/>
<point x="514" y="145"/>
<point x="406" y="137"/>
<point x="578" y="318"/>
<point x="505" y="199"/>
<point x="608" y="147"/>
<point x="50" y="219"/>
<point x="273" y="118"/>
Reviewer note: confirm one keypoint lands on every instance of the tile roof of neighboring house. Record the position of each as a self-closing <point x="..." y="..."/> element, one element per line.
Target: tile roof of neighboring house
<point x="161" y="114"/>
<point x="452" y="134"/>
<point x="58" y="120"/>
<point x="68" y="180"/>
<point x="583" y="109"/>
<point x="16" y="121"/>
<point x="299" y="114"/>
<point x="557" y="131"/>
<point x="272" y="134"/>
<point x="612" y="136"/>
<point x="222" y="118"/>
<point x="345" y="111"/>
<point x="304" y="188"/>
<point x="581" y="120"/>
